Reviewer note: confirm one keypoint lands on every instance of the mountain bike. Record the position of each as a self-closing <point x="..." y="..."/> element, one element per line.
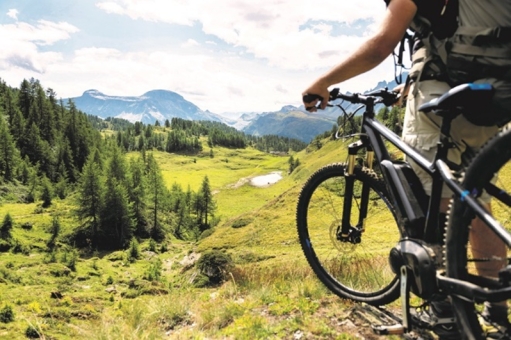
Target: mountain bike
<point x="371" y="234"/>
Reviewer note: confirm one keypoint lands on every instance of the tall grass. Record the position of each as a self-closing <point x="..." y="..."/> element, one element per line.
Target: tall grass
<point x="271" y="294"/>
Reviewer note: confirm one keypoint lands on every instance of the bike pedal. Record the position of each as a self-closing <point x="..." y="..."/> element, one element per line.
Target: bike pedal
<point x="428" y="320"/>
<point x="382" y="321"/>
<point x="396" y="329"/>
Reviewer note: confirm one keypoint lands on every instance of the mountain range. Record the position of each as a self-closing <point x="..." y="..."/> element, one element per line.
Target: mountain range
<point x="161" y="105"/>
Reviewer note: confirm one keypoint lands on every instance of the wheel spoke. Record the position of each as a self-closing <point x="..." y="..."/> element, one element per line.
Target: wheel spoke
<point x="358" y="271"/>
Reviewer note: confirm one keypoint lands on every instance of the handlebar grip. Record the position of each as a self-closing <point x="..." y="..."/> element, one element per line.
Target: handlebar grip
<point x="309" y="98"/>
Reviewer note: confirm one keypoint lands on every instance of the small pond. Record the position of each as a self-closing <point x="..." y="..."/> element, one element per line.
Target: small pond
<point x="265" y="180"/>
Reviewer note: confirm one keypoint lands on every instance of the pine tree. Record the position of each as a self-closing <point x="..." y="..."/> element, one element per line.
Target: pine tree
<point x="25" y="98"/>
<point x="8" y="153"/>
<point x="45" y="116"/>
<point x="291" y="162"/>
<point x="46" y="192"/>
<point x="55" y="231"/>
<point x="116" y="215"/>
<point x="157" y="193"/>
<point x="117" y="167"/>
<point x="138" y="196"/>
<point x="90" y="195"/>
<point x="207" y="204"/>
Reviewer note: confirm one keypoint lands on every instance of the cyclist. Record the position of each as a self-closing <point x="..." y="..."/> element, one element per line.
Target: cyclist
<point x="480" y="51"/>
<point x="432" y="22"/>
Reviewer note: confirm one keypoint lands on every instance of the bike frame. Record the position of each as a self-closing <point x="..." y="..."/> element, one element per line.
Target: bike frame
<point x="372" y="139"/>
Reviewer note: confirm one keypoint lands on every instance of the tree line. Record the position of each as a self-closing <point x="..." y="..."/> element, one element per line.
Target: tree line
<point x="49" y="148"/>
<point x="183" y="136"/>
<point x="40" y="136"/>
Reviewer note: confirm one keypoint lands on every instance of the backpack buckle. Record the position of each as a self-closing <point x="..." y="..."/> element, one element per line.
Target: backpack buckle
<point x="498" y="31"/>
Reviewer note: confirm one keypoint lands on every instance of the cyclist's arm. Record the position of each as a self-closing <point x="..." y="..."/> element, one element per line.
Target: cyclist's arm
<point x="372" y="52"/>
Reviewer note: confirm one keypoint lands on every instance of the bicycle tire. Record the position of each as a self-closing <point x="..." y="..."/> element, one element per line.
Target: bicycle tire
<point x="360" y="272"/>
<point x="493" y="158"/>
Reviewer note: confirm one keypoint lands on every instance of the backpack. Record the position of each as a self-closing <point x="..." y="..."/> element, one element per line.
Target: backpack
<point x="481" y="45"/>
<point x="480" y="51"/>
<point x="434" y="21"/>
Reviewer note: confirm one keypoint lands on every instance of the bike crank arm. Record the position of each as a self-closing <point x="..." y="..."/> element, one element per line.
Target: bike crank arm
<point x="405" y="325"/>
<point x="405" y="298"/>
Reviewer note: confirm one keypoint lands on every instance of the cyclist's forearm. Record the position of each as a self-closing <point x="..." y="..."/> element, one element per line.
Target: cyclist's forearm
<point x="376" y="49"/>
<point x="368" y="56"/>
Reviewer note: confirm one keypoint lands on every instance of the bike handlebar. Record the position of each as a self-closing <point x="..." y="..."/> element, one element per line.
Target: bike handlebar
<point x="383" y="96"/>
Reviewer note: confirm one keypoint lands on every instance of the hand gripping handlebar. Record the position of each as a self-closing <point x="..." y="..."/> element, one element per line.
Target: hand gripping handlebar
<point x="383" y="96"/>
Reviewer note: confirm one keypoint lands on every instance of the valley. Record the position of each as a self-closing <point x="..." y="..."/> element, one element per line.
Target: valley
<point x="270" y="293"/>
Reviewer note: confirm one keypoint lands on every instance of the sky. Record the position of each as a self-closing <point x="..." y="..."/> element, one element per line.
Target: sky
<point x="222" y="55"/>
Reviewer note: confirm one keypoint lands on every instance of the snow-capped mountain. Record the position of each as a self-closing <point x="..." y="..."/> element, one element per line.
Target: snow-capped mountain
<point x="289" y="121"/>
<point x="151" y="106"/>
<point x="238" y="120"/>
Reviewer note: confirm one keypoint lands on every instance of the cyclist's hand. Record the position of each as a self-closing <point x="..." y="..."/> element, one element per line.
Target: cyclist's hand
<point x="313" y="95"/>
<point x="402" y="89"/>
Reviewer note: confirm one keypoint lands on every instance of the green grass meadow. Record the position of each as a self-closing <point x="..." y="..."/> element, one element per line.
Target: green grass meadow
<point x="271" y="294"/>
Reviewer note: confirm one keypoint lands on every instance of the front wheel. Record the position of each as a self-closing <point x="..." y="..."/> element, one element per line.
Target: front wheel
<point x="357" y="270"/>
<point x="473" y="252"/>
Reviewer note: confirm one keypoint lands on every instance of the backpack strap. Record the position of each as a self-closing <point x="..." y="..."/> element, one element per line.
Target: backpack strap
<point x="493" y="34"/>
<point x="492" y="42"/>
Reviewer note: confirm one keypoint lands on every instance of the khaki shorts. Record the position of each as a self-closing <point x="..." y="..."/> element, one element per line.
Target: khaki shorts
<point x="422" y="131"/>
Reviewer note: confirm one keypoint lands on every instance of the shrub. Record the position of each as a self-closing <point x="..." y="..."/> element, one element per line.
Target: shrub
<point x="51" y="257"/>
<point x="32" y="333"/>
<point x="164" y="248"/>
<point x="201" y="281"/>
<point x="241" y="222"/>
<point x="27" y="226"/>
<point x="109" y="280"/>
<point x="69" y="259"/>
<point x="18" y="247"/>
<point x="153" y="273"/>
<point x="152" y="245"/>
<point x="4" y="245"/>
<point x="115" y="256"/>
<point x="206" y="233"/>
<point x="94" y="264"/>
<point x="133" y="250"/>
<point x="6" y="227"/>
<point x="6" y="314"/>
<point x="58" y="270"/>
<point x="215" y="265"/>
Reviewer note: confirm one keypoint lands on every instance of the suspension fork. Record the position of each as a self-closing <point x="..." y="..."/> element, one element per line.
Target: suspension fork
<point x="346" y="227"/>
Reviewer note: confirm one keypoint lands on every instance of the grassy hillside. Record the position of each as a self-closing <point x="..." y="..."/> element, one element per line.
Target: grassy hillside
<point x="271" y="291"/>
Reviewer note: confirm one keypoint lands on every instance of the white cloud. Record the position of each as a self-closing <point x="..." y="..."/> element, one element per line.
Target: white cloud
<point x="174" y="11"/>
<point x="21" y="41"/>
<point x="190" y="43"/>
<point x="270" y="59"/>
<point x="13" y="13"/>
<point x="267" y="29"/>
